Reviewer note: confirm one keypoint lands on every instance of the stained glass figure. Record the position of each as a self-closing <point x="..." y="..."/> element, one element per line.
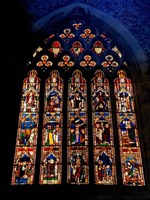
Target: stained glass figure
<point x="51" y="166"/>
<point x="77" y="93"/>
<point x="124" y="93"/>
<point x="130" y="152"/>
<point x="105" y="170"/>
<point x="77" y="156"/>
<point x="103" y="139"/>
<point x="77" y="128"/>
<point x="132" y="169"/>
<point x="128" y="133"/>
<point x="27" y="133"/>
<point x="77" y="165"/>
<point x="102" y="129"/>
<point x="100" y="93"/>
<point x="24" y="166"/>
<point x="51" y="153"/>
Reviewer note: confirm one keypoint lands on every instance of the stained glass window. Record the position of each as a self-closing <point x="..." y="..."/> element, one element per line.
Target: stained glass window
<point x="27" y="133"/>
<point x="103" y="139"/>
<point x="77" y="152"/>
<point x="75" y="48"/>
<point x="130" y="152"/>
<point x="51" y="152"/>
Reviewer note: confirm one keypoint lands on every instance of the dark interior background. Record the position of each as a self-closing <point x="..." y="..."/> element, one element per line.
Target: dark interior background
<point x="18" y="41"/>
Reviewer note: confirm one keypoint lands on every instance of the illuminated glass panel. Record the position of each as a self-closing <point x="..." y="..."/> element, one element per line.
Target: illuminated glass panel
<point x="26" y="140"/>
<point x="103" y="139"/>
<point x="130" y="152"/>
<point x="124" y="93"/>
<point x="77" y="134"/>
<point x="127" y="129"/>
<point x="51" y="152"/>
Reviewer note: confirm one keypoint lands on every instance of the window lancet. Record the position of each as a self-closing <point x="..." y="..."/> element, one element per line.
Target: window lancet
<point x="51" y="152"/>
<point x="130" y="152"/>
<point x="27" y="133"/>
<point x="77" y="147"/>
<point x="103" y="139"/>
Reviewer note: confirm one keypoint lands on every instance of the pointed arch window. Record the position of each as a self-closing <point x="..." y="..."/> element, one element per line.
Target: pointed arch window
<point x="82" y="61"/>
